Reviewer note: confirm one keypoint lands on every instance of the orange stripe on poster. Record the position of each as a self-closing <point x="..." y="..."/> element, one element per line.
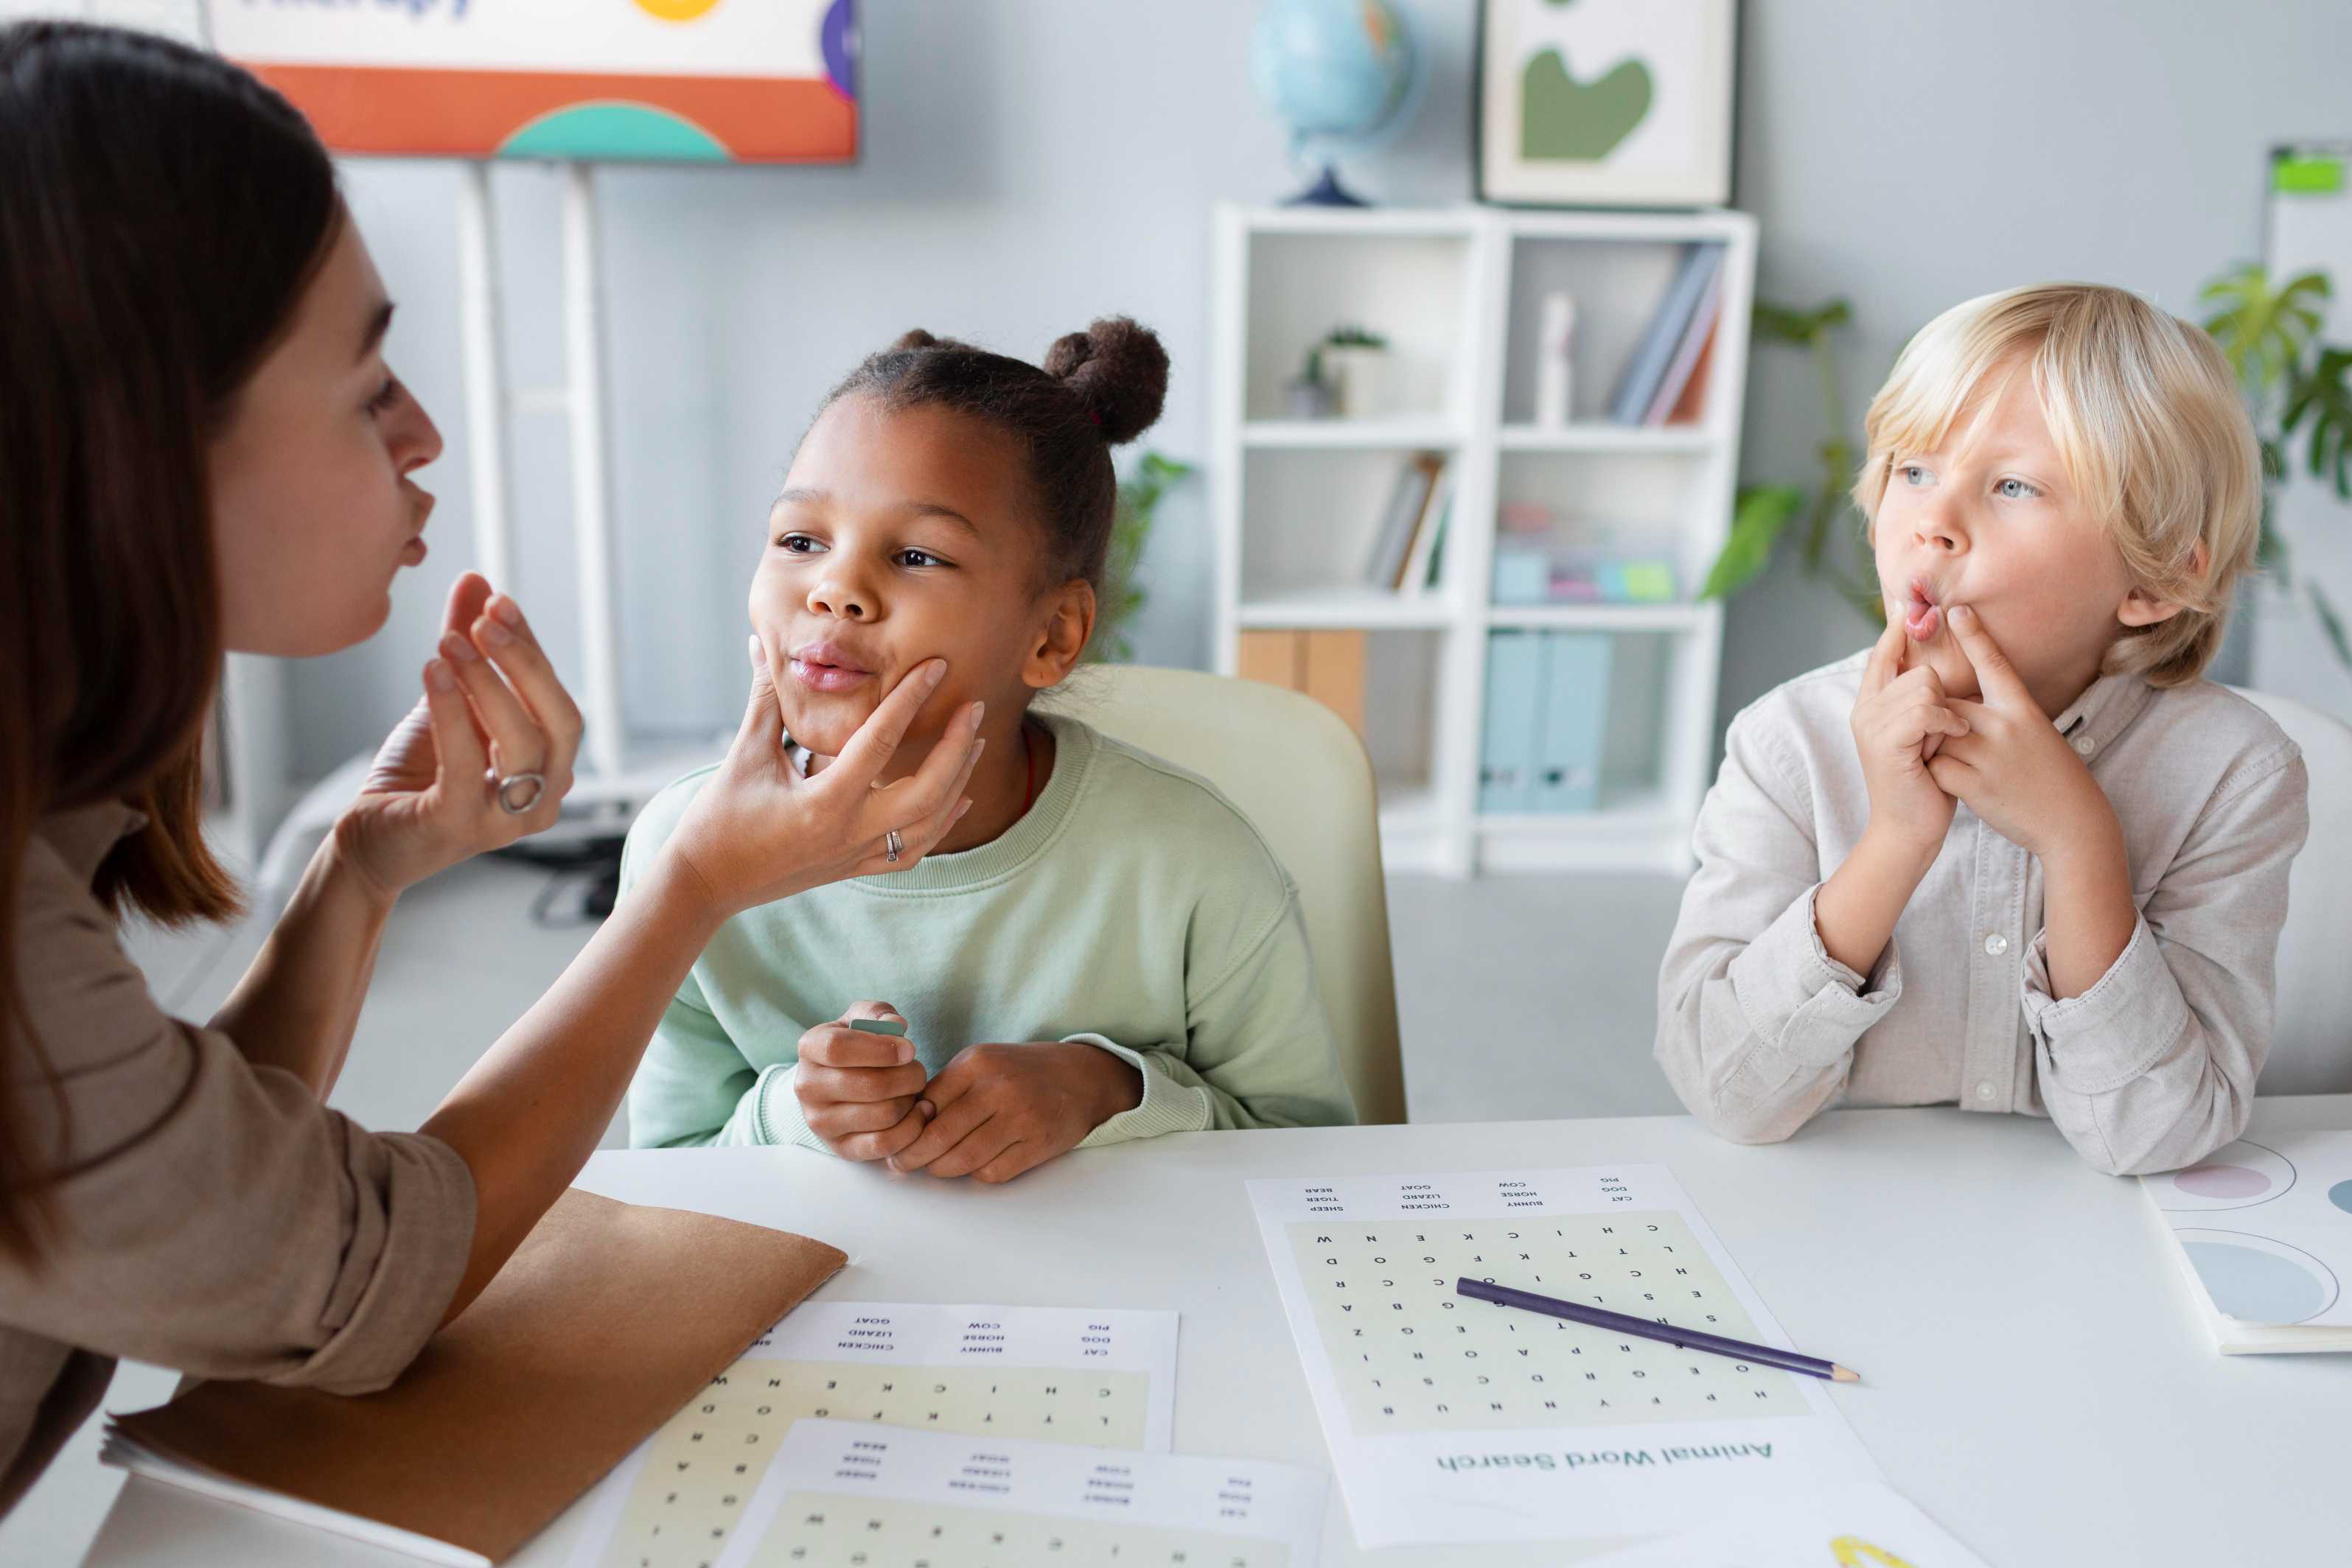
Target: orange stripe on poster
<point x="470" y="114"/>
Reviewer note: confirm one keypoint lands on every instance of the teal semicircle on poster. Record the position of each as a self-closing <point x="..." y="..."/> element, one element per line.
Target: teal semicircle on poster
<point x="615" y="130"/>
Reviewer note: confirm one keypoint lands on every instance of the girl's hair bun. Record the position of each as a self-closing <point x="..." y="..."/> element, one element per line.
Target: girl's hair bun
<point x="1119" y="373"/>
<point x="914" y="338"/>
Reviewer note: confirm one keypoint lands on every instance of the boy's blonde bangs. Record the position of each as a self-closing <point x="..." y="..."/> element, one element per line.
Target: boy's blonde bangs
<point x="2147" y="423"/>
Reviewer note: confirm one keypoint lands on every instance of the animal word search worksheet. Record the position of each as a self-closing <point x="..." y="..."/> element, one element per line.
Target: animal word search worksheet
<point x="848" y="1495"/>
<point x="1455" y="1419"/>
<point x="1106" y="1379"/>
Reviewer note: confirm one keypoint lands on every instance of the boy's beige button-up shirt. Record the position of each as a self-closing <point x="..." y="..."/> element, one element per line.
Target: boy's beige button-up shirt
<point x="217" y="1218"/>
<point x="2152" y="1068"/>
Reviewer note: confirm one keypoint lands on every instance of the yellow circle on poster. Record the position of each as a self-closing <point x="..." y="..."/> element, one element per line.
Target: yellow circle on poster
<point x="676" y="10"/>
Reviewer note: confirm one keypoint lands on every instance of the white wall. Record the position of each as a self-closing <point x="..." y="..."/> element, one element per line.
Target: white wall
<point x="1910" y="156"/>
<point x="1031" y="164"/>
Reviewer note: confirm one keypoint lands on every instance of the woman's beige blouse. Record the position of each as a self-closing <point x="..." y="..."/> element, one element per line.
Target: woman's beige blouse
<point x="216" y="1218"/>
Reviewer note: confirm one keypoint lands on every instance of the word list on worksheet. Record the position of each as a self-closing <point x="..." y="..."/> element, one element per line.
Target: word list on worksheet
<point x="1062" y="1375"/>
<point x="1452" y="1418"/>
<point x="848" y="1495"/>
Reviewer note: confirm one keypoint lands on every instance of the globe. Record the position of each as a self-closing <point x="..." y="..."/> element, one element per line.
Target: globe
<point x="1337" y="72"/>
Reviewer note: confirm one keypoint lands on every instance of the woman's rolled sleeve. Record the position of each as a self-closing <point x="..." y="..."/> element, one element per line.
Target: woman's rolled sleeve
<point x="292" y="1245"/>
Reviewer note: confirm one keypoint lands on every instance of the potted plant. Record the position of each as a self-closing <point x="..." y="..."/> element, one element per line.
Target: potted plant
<point x="1307" y="395"/>
<point x="1353" y="360"/>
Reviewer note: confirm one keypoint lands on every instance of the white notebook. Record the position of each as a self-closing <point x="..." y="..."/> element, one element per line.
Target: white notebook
<point x="2262" y="1232"/>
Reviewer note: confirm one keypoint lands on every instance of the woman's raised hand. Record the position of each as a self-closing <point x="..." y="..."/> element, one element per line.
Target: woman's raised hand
<point x="493" y="711"/>
<point x="759" y="831"/>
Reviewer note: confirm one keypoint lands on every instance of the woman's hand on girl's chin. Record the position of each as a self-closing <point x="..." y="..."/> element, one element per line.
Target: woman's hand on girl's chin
<point x="759" y="831"/>
<point x="493" y="707"/>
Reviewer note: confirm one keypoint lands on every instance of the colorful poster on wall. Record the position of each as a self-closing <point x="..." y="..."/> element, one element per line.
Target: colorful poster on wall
<point x="747" y="82"/>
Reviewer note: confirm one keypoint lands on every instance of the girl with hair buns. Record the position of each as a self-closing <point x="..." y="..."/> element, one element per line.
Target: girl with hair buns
<point x="1102" y="947"/>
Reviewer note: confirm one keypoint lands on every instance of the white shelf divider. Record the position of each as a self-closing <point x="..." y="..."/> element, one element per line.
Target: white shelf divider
<point x="1600" y="617"/>
<point x="1339" y="607"/>
<point x="1339" y="435"/>
<point x="1597" y="435"/>
<point x="1432" y="824"/>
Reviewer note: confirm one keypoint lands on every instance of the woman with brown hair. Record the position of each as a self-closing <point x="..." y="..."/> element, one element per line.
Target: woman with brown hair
<point x="201" y="450"/>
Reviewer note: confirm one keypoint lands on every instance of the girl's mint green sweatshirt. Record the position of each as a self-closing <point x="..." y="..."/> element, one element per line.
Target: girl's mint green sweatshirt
<point x="1131" y="907"/>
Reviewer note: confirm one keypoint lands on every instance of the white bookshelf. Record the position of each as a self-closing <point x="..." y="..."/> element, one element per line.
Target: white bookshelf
<point x="1456" y="292"/>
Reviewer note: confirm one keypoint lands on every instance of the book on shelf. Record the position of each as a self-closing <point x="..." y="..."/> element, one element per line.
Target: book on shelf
<point x="1691" y="407"/>
<point x="1435" y="575"/>
<point x="1419" y="571"/>
<point x="1681" y="370"/>
<point x="1326" y="666"/>
<point x="1408" y="503"/>
<point x="1646" y="371"/>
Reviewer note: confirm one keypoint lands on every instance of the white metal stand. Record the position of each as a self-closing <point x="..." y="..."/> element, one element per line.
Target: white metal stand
<point x="486" y="372"/>
<point x="612" y="785"/>
<point x="583" y="369"/>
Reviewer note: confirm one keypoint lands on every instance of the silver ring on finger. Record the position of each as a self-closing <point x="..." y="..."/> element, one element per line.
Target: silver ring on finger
<point x="518" y="792"/>
<point x="893" y="846"/>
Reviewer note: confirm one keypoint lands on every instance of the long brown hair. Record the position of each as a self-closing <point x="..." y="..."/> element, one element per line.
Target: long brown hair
<point x="160" y="213"/>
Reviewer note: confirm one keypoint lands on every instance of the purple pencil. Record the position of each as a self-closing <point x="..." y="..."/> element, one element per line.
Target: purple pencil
<point x="1686" y="1339"/>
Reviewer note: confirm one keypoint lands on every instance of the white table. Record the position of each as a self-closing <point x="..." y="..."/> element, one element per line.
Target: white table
<point x="2035" y="1377"/>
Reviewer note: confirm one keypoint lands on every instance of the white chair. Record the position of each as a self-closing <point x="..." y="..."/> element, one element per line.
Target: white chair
<point x="1294" y="769"/>
<point x="2311" y="1046"/>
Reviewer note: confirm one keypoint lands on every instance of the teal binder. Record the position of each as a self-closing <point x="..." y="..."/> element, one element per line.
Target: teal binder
<point x="1575" y="720"/>
<point x="1506" y="757"/>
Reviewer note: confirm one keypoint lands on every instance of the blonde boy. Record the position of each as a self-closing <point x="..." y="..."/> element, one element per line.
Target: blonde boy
<point x="2019" y="856"/>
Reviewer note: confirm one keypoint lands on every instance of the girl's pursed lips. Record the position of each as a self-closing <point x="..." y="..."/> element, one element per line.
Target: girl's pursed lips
<point x="827" y="667"/>
<point x="832" y="655"/>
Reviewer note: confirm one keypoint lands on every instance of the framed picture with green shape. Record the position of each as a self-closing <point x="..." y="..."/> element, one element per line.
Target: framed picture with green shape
<point x="1605" y="103"/>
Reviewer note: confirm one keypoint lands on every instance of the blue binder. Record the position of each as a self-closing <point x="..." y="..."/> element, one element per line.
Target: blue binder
<point x="1507" y="759"/>
<point x="1575" y="720"/>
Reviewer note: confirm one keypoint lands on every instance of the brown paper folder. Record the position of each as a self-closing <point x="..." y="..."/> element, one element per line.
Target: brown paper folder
<point x="608" y="1319"/>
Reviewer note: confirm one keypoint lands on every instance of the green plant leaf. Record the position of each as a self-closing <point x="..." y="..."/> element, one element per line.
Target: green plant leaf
<point x="1830" y="501"/>
<point x="2269" y="550"/>
<point x="2323" y="395"/>
<point x="2261" y="331"/>
<point x="2329" y="623"/>
<point x="1140" y="495"/>
<point x="2273" y="460"/>
<point x="1755" y="526"/>
<point x="1785" y="324"/>
<point x="1778" y="324"/>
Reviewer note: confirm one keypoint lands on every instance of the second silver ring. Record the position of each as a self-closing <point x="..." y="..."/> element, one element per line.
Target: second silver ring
<point x="893" y="846"/>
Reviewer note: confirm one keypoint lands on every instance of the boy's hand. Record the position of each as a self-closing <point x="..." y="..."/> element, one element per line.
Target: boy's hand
<point x="1000" y="1109"/>
<point x="1900" y="720"/>
<point x="857" y="1091"/>
<point x="2013" y="767"/>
